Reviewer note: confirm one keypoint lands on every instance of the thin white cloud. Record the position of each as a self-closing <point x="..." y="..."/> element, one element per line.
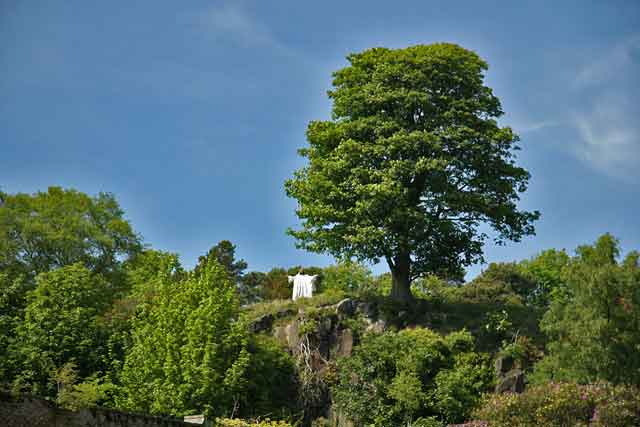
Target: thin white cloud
<point x="232" y="21"/>
<point x="609" y="137"/>
<point x="610" y="65"/>
<point x="523" y="126"/>
<point x="607" y="123"/>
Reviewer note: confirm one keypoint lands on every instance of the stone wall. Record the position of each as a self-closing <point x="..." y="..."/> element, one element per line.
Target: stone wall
<point x="29" y="411"/>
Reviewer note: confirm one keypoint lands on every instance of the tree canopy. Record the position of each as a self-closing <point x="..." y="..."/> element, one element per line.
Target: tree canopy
<point x="59" y="227"/>
<point x="594" y="323"/>
<point x="189" y="351"/>
<point x="61" y="325"/>
<point x="411" y="164"/>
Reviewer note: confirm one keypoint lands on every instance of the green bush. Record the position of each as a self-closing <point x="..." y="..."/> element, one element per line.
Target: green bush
<point x="189" y="352"/>
<point x="564" y="404"/>
<point x="398" y="378"/>
<point x="235" y="422"/>
<point x="593" y="325"/>
<point x="348" y="277"/>
<point x="272" y="387"/>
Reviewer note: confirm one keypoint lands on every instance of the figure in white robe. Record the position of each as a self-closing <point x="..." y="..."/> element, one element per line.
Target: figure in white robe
<point x="303" y="285"/>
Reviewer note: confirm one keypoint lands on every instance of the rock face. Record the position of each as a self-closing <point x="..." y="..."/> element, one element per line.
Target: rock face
<point x="262" y="323"/>
<point x="345" y="308"/>
<point x="509" y="375"/>
<point x="316" y="338"/>
<point x="344" y="345"/>
<point x="512" y="381"/>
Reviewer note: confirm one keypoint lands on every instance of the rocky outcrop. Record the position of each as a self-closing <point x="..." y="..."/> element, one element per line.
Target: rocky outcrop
<point x="262" y="323"/>
<point x="509" y="375"/>
<point x="346" y="308"/>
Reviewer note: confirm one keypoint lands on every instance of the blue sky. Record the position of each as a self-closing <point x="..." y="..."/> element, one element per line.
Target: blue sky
<point x="191" y="112"/>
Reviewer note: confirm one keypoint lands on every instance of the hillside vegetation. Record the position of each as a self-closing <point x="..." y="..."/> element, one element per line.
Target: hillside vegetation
<point x="139" y="332"/>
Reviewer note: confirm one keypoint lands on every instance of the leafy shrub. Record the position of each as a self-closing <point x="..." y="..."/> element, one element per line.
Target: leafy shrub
<point x="189" y="352"/>
<point x="276" y="285"/>
<point x="564" y="404"/>
<point x="426" y="422"/>
<point x="61" y="325"/>
<point x="235" y="422"/>
<point x="484" y="291"/>
<point x="396" y="378"/>
<point x="348" y="277"/>
<point x="593" y="325"/>
<point x="545" y="270"/>
<point x="522" y="350"/>
<point x="272" y="387"/>
<point x="434" y="289"/>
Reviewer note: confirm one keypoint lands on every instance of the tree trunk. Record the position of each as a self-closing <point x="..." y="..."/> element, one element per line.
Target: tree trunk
<point x="401" y="280"/>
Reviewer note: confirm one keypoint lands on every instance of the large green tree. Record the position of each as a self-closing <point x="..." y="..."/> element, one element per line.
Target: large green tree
<point x="411" y="164"/>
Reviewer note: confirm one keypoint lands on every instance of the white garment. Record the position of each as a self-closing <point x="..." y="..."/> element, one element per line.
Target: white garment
<point x="303" y="285"/>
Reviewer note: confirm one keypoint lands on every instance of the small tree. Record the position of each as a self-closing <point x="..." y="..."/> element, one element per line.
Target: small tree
<point x="61" y="325"/>
<point x="410" y="166"/>
<point x="594" y="324"/>
<point x="224" y="254"/>
<point x="189" y="350"/>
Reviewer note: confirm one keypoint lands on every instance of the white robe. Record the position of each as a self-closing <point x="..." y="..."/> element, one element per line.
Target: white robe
<point x="303" y="285"/>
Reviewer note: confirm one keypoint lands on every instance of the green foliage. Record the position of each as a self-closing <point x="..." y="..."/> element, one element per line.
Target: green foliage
<point x="502" y="282"/>
<point x="410" y="166"/>
<point x="224" y="254"/>
<point x="435" y="290"/>
<point x="144" y="276"/>
<point x="44" y="231"/>
<point x="272" y="388"/>
<point x="61" y="325"/>
<point x="487" y="291"/>
<point x="190" y="351"/>
<point x="497" y="324"/>
<point x="146" y="268"/>
<point x="13" y="292"/>
<point x="251" y="287"/>
<point x="426" y="422"/>
<point x="276" y="285"/>
<point x="348" y="277"/>
<point x="394" y="378"/>
<point x="564" y="404"/>
<point x="286" y="308"/>
<point x="545" y="270"/>
<point x="48" y="231"/>
<point x="594" y="325"/>
<point x="266" y="422"/>
<point x="522" y="350"/>
<point x="74" y="396"/>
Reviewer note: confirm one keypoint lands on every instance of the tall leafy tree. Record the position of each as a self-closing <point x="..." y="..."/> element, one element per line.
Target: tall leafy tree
<point x="145" y="275"/>
<point x="411" y="164"/>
